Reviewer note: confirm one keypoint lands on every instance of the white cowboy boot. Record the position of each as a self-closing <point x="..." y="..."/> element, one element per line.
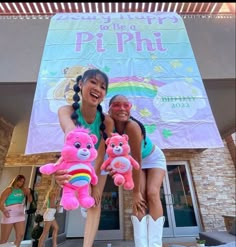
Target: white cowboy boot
<point x="140" y="231"/>
<point x="155" y="231"/>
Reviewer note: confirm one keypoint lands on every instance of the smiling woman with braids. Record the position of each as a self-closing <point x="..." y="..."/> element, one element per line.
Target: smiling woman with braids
<point x="87" y="112"/>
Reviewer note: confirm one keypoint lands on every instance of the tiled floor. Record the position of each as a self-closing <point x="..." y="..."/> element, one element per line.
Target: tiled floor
<point x="118" y="243"/>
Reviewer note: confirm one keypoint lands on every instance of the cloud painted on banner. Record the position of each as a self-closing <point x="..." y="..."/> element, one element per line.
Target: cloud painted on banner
<point x="178" y="101"/>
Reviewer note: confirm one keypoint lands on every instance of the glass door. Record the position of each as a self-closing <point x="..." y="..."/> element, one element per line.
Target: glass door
<point x="179" y="202"/>
<point x="111" y="225"/>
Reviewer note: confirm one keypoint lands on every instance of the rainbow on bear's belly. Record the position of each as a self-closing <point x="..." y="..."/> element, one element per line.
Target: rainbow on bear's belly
<point x="80" y="175"/>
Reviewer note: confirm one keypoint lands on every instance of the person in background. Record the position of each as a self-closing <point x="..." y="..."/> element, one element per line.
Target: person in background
<point x="13" y="209"/>
<point x="88" y="113"/>
<point x="147" y="219"/>
<point x="52" y="200"/>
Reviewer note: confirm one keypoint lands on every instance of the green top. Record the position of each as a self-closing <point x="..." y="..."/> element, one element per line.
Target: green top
<point x="148" y="148"/>
<point x="94" y="127"/>
<point x="16" y="197"/>
<point x="145" y="149"/>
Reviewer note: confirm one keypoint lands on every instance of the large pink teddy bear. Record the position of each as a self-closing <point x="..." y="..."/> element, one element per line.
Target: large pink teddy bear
<point x="120" y="161"/>
<point x="77" y="154"/>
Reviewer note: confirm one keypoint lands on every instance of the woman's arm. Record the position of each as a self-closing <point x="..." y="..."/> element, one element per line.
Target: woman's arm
<point x="52" y="199"/>
<point x="109" y="123"/>
<point x="27" y="193"/>
<point x="64" y="116"/>
<point x="67" y="124"/>
<point x="3" y="198"/>
<point x="135" y="141"/>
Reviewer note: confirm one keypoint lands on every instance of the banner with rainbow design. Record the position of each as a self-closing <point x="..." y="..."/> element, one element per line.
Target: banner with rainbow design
<point x="147" y="56"/>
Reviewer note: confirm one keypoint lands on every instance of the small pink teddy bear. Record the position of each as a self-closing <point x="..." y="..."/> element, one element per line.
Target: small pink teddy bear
<point x="120" y="161"/>
<point x="77" y="154"/>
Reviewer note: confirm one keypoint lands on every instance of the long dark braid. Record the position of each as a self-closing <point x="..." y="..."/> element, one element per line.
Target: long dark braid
<point x="102" y="126"/>
<point x="134" y="119"/>
<point x="91" y="73"/>
<point x="76" y="99"/>
<point x="142" y="129"/>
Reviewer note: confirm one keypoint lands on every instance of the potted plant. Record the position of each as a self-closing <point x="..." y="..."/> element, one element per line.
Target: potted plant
<point x="200" y="242"/>
<point x="37" y="230"/>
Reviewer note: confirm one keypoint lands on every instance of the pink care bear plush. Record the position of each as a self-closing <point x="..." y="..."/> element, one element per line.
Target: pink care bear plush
<point x="76" y="157"/>
<point x="120" y="161"/>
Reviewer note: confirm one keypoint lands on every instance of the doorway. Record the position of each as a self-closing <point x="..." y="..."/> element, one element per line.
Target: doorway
<point x="179" y="206"/>
<point x="111" y="221"/>
<point x="179" y="202"/>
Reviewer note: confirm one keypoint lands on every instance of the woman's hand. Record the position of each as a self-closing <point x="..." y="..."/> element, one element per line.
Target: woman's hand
<point x="111" y="171"/>
<point x="95" y="193"/>
<point x="139" y="204"/>
<point x="61" y="177"/>
<point x="27" y="192"/>
<point x="6" y="213"/>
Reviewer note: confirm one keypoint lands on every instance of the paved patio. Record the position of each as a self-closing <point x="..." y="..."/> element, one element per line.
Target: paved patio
<point x="187" y="241"/>
<point x="114" y="243"/>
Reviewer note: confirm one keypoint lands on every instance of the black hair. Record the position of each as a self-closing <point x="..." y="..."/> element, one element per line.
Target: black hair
<point x="90" y="73"/>
<point x="132" y="118"/>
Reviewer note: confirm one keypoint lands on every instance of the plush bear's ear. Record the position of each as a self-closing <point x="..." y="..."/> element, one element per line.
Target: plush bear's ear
<point x="94" y="139"/>
<point x="126" y="137"/>
<point x="69" y="135"/>
<point x="108" y="140"/>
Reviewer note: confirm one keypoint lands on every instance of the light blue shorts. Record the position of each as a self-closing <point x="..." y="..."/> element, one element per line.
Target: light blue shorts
<point x="156" y="159"/>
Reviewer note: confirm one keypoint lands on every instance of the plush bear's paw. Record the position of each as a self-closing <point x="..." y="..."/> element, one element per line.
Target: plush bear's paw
<point x="46" y="169"/>
<point x="87" y="202"/>
<point x="70" y="203"/>
<point x="119" y="180"/>
<point x="128" y="185"/>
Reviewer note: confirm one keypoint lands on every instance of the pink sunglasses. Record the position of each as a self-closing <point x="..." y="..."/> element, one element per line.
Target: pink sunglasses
<point x="119" y="105"/>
